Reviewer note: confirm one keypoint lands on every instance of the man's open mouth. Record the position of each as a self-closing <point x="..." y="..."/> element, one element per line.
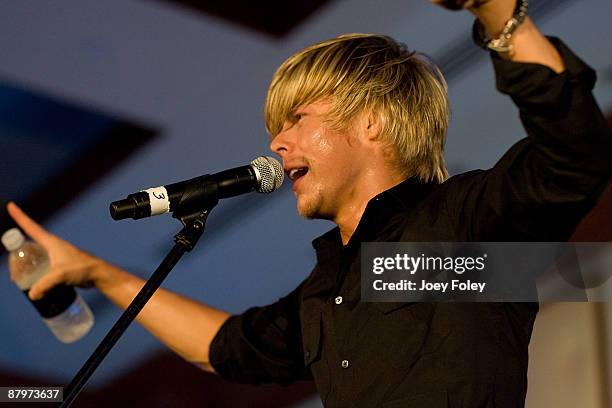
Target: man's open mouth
<point x="296" y="173"/>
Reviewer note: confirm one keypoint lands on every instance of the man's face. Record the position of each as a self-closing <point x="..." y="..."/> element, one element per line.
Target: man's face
<point x="323" y="163"/>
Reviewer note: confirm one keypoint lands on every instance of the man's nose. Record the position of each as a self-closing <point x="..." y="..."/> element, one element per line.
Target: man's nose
<point x="281" y="144"/>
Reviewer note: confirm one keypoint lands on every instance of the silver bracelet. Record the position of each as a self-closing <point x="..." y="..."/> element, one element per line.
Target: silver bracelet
<point x="502" y="42"/>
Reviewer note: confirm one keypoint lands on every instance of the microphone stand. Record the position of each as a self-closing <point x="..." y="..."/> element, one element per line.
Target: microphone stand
<point x="185" y="241"/>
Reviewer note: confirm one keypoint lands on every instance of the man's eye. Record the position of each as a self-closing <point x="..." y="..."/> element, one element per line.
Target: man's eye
<point x="297" y="117"/>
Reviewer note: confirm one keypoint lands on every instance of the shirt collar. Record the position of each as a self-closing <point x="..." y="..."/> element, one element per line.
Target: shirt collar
<point x="400" y="198"/>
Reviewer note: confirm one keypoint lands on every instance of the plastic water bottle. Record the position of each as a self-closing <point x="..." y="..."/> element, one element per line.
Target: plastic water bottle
<point x="62" y="308"/>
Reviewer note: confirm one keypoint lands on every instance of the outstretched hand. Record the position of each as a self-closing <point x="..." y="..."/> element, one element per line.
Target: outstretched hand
<point x="69" y="264"/>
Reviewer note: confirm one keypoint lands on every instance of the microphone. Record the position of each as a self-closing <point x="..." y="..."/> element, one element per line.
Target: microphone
<point x="264" y="174"/>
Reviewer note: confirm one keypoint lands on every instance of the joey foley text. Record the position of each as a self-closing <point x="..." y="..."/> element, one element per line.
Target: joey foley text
<point x="432" y="266"/>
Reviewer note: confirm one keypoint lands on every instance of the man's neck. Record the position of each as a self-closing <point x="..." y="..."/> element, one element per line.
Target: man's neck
<point x="349" y="216"/>
<point x="349" y="219"/>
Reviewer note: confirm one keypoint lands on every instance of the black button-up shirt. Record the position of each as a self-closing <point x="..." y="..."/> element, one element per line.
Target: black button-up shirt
<point x="436" y="354"/>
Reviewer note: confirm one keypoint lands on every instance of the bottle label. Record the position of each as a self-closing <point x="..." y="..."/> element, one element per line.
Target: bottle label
<point x="55" y="302"/>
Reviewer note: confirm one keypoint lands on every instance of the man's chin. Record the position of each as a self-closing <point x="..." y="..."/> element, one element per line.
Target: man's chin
<point x="307" y="213"/>
<point x="313" y="212"/>
<point x="307" y="209"/>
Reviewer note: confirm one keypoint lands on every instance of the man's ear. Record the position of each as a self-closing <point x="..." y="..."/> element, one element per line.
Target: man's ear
<point x="365" y="128"/>
<point x="372" y="126"/>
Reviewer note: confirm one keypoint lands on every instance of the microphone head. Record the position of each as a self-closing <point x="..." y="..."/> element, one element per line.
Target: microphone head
<point x="269" y="173"/>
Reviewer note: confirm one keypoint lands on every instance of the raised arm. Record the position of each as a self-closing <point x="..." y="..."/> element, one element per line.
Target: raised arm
<point x="185" y="326"/>
<point x="546" y="183"/>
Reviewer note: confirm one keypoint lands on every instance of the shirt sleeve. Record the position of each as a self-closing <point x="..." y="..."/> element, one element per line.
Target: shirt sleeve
<point x="261" y="345"/>
<point x="547" y="182"/>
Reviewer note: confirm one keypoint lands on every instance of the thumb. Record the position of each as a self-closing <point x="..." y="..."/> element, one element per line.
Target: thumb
<point x="44" y="284"/>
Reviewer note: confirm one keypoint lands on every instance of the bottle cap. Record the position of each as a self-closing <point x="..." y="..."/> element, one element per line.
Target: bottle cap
<point x="12" y="239"/>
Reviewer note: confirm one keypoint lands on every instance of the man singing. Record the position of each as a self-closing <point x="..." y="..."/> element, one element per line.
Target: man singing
<point x="360" y="123"/>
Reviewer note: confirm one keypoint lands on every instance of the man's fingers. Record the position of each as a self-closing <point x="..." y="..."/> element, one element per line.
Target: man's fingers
<point x="450" y="4"/>
<point x="459" y="4"/>
<point x="44" y="284"/>
<point x="31" y="227"/>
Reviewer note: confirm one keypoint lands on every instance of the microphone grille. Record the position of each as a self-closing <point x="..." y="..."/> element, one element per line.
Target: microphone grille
<point x="270" y="173"/>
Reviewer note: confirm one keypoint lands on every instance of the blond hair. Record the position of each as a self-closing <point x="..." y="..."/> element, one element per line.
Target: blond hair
<point x="369" y="72"/>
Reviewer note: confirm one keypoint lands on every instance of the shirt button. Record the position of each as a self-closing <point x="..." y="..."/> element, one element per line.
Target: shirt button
<point x="345" y="364"/>
<point x="338" y="300"/>
<point x="307" y="353"/>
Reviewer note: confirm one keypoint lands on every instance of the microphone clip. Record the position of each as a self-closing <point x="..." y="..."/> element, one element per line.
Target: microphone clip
<point x="193" y="229"/>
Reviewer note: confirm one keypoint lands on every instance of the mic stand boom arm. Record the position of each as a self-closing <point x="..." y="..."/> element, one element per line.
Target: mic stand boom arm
<point x="185" y="241"/>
